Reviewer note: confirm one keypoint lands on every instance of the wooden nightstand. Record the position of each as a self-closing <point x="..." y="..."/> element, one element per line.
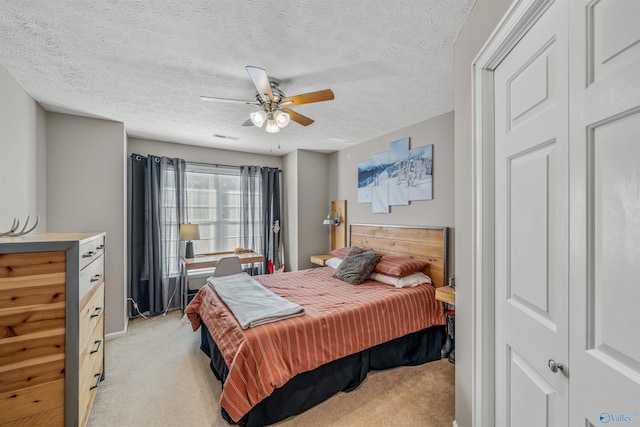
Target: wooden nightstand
<point x="446" y="294"/>
<point x="320" y="259"/>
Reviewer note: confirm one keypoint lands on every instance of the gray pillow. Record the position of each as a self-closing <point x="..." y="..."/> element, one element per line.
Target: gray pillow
<point x="356" y="266"/>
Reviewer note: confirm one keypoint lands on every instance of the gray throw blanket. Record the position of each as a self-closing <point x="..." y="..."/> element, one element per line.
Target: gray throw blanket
<point x="251" y="303"/>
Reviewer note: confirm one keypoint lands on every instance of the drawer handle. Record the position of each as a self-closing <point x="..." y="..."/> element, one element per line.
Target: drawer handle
<point x="96" y="312"/>
<point x="96" y="277"/>
<point x="100" y="247"/>
<point x="98" y="375"/>
<point x="95" y="350"/>
<point x="89" y="254"/>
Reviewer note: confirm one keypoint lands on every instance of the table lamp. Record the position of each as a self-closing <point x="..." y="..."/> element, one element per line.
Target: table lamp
<point x="189" y="232"/>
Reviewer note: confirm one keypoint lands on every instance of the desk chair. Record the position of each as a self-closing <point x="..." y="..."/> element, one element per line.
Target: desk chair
<point x="228" y="266"/>
<point x="225" y="267"/>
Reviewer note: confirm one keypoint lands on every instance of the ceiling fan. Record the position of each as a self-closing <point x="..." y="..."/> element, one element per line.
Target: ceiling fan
<point x="273" y="102"/>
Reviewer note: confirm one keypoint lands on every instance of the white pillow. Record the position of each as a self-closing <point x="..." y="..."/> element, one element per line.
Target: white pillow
<point x="333" y="262"/>
<point x="409" y="281"/>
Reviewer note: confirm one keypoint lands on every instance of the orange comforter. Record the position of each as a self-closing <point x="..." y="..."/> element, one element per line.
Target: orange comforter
<point x="340" y="319"/>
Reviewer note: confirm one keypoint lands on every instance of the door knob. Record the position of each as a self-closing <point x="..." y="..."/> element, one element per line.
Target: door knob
<point x="555" y="367"/>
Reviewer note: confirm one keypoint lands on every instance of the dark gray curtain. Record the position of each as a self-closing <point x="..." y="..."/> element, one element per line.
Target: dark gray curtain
<point x="156" y="210"/>
<point x="250" y="212"/>
<point x="270" y="213"/>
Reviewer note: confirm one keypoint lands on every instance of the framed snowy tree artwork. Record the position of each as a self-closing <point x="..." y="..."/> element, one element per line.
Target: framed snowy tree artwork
<point x="396" y="177"/>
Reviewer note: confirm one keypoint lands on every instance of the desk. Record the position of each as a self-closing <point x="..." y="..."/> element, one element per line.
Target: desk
<point x="204" y="261"/>
<point x="211" y="260"/>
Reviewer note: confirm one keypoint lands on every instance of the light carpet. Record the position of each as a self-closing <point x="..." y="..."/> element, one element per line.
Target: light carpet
<point x="157" y="376"/>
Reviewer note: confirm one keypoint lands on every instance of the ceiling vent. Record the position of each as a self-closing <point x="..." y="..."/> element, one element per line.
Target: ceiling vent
<point x="235" y="138"/>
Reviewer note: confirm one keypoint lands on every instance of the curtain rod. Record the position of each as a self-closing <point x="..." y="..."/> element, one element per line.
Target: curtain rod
<point x="226" y="166"/>
<point x="217" y="165"/>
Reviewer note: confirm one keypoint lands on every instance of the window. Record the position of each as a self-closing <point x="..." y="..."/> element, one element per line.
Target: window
<point x="169" y="218"/>
<point x="214" y="201"/>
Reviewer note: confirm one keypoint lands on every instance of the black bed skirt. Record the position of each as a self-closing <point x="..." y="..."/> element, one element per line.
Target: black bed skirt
<point x="310" y="388"/>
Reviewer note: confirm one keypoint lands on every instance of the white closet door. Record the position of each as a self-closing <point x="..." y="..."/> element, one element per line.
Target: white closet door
<point x="605" y="212"/>
<point x="531" y="226"/>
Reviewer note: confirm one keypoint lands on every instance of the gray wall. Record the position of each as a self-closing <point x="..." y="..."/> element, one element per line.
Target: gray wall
<point x="483" y="18"/>
<point x="343" y="178"/>
<point x="23" y="169"/>
<point x="86" y="192"/>
<point x="312" y="205"/>
<point x="290" y="193"/>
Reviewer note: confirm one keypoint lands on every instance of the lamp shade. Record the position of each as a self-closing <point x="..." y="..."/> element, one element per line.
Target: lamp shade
<point x="189" y="232"/>
<point x="258" y="118"/>
<point x="272" y="126"/>
<point x="331" y="221"/>
<point x="282" y="118"/>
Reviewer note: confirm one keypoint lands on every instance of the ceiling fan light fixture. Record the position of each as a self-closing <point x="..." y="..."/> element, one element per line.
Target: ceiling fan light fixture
<point x="272" y="126"/>
<point x="282" y="118"/>
<point x="273" y="103"/>
<point x="258" y="117"/>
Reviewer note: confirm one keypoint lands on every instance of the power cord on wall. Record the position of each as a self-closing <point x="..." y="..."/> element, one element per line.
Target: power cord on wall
<point x="135" y="305"/>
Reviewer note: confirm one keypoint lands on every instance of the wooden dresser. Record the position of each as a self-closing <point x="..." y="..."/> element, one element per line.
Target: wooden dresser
<point x="51" y="328"/>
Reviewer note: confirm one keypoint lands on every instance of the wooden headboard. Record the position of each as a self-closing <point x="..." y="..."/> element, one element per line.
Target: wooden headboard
<point x="428" y="244"/>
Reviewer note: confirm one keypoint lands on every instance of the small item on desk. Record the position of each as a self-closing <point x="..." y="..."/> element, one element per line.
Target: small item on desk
<point x="239" y="250"/>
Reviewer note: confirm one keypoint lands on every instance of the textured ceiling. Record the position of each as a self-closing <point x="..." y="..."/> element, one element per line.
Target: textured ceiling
<point x="146" y="64"/>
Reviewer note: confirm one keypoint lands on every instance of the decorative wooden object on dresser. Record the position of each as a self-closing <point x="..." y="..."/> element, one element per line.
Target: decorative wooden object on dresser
<point x="51" y="327"/>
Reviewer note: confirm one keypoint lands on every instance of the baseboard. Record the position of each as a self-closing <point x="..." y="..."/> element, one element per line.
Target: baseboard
<point x="118" y="334"/>
<point x="454" y="424"/>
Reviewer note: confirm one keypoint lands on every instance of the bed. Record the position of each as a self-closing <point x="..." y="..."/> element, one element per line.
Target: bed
<point x="273" y="371"/>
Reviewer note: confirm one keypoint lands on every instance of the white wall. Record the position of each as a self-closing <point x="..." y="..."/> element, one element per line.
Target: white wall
<point x="484" y="16"/>
<point x="343" y="178"/>
<point x="86" y="192"/>
<point x="22" y="156"/>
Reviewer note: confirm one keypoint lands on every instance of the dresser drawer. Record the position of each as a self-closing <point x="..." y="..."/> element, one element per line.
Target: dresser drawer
<point x="91" y="276"/>
<point x="90" y="315"/>
<point x="91" y="250"/>
<point x="89" y="380"/>
<point x="92" y="347"/>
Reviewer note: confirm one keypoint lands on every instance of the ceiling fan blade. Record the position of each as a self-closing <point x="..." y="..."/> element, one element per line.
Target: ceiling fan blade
<point x="308" y="98"/>
<point x="260" y="80"/>
<point x="248" y="123"/>
<point x="298" y="118"/>
<point x="228" y="100"/>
